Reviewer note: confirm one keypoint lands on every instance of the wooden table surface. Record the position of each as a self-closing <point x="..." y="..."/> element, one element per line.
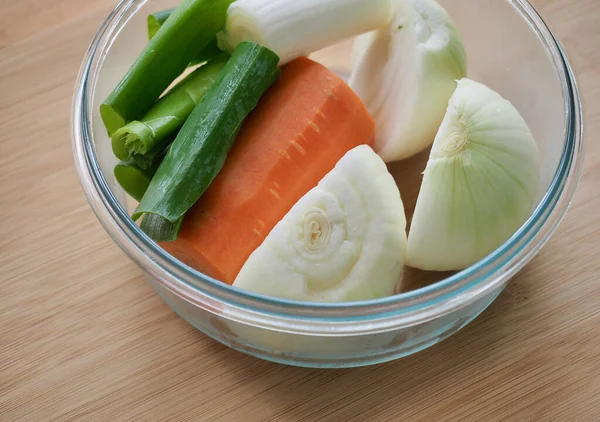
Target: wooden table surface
<point x="83" y="337"/>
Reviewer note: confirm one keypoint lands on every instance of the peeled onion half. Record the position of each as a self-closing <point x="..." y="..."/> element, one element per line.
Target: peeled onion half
<point x="405" y="74"/>
<point x="480" y="183"/>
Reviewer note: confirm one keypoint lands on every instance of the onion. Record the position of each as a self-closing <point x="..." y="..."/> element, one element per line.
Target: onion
<point x="405" y="74"/>
<point x="480" y="183"/>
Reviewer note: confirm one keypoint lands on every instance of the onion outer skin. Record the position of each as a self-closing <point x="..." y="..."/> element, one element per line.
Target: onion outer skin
<point x="406" y="73"/>
<point x="480" y="183"/>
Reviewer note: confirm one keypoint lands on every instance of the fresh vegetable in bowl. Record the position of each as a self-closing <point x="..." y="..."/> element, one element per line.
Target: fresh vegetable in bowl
<point x="297" y="28"/>
<point x="265" y="170"/>
<point x="169" y="52"/>
<point x="405" y="73"/>
<point x="167" y="115"/>
<point x="302" y="126"/>
<point x="156" y="20"/>
<point x="480" y="183"/>
<point x="343" y="241"/>
<point x="199" y="151"/>
<point x="135" y="176"/>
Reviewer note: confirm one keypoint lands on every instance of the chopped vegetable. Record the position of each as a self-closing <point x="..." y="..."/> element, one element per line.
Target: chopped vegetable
<point x="164" y="58"/>
<point x="304" y="124"/>
<point x="343" y="241"/>
<point x="480" y="183"/>
<point x="279" y="186"/>
<point x="159" y="229"/>
<point x="200" y="149"/>
<point x="133" y="179"/>
<point x="135" y="174"/>
<point x="156" y="20"/>
<point x="294" y="28"/>
<point x="147" y="160"/>
<point x="168" y="114"/>
<point x="209" y="52"/>
<point x="406" y="73"/>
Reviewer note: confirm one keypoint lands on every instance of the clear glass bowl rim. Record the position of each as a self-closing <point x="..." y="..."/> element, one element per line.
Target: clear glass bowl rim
<point x="371" y="316"/>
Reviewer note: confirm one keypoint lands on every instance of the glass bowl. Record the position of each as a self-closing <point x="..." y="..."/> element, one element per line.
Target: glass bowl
<point x="510" y="48"/>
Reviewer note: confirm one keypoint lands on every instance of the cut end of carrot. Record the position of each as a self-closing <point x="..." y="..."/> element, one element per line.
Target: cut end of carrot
<point x="301" y="128"/>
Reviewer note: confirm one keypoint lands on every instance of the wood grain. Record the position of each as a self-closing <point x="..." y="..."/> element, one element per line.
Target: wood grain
<point x="83" y="337"/>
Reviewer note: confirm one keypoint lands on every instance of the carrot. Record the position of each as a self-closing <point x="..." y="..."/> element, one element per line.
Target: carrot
<point x="300" y="129"/>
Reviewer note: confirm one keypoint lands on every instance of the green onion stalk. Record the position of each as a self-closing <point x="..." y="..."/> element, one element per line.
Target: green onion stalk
<point x="135" y="176"/>
<point x="156" y="20"/>
<point x="191" y="27"/>
<point x="198" y="153"/>
<point x="167" y="116"/>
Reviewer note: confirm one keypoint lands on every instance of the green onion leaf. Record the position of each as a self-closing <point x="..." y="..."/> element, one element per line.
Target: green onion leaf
<point x="159" y="229"/>
<point x="168" y="114"/>
<point x="156" y="20"/>
<point x="191" y="27"/>
<point x="201" y="147"/>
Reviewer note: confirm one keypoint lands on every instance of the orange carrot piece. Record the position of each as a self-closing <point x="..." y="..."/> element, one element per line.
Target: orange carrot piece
<point x="301" y="128"/>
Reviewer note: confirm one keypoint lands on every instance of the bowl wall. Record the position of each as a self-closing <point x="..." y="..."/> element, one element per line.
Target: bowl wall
<point x="322" y="351"/>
